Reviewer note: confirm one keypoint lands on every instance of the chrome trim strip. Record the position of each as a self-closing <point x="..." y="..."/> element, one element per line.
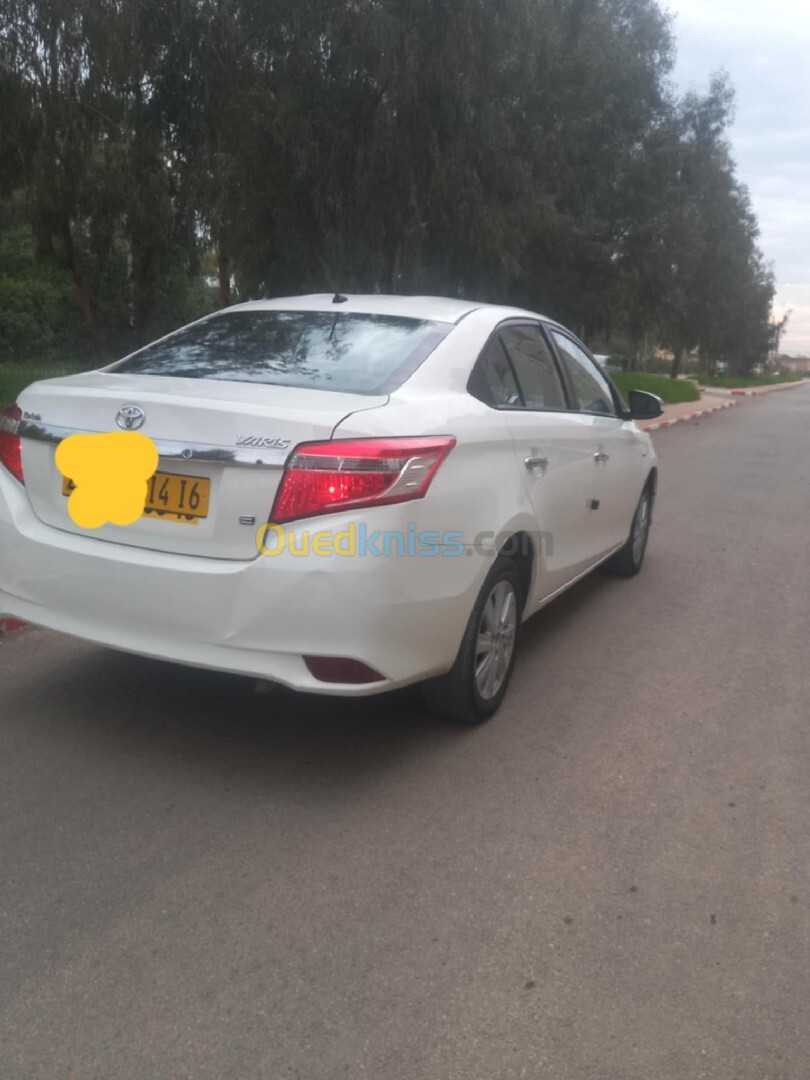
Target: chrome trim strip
<point x="244" y="456"/>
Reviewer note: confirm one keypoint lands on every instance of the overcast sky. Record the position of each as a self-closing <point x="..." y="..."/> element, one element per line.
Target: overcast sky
<point x="765" y="47"/>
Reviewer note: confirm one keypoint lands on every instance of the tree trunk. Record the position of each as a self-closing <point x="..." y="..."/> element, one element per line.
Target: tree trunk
<point x="224" y="265"/>
<point x="396" y="269"/>
<point x="83" y="289"/>
<point x="634" y="362"/>
<point x="645" y="349"/>
<point x="676" y="363"/>
<point x="142" y="287"/>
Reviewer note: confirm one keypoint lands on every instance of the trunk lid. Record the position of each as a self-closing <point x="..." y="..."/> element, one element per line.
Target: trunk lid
<point x="229" y="439"/>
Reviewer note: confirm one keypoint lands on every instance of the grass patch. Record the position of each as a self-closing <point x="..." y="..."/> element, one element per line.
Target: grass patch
<point x="14" y="377"/>
<point x="742" y="382"/>
<point x="671" y="390"/>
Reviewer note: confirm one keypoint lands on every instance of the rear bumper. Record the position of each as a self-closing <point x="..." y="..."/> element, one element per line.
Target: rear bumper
<point x="403" y="616"/>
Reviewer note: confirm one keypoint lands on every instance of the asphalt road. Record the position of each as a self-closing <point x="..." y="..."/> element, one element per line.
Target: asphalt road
<point x="609" y="882"/>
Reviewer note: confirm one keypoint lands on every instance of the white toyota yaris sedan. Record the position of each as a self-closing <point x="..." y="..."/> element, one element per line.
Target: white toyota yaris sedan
<point x="353" y="494"/>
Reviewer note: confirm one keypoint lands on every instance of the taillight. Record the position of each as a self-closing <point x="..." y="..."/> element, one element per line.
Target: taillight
<point x="10" y="450"/>
<point x="348" y="474"/>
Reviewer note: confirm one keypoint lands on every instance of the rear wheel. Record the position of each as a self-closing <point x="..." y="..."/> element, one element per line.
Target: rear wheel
<point x="628" y="561"/>
<point x="473" y="689"/>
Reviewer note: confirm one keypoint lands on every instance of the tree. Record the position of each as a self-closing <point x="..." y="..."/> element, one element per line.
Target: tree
<point x="529" y="151"/>
<point x="776" y="330"/>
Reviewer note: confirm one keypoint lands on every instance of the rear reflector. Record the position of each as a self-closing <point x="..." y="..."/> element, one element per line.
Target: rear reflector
<point x="10" y="449"/>
<point x="335" y="669"/>
<point x="323" y="478"/>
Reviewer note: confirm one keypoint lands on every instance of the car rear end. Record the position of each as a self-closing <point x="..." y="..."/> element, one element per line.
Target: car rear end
<point x="246" y="411"/>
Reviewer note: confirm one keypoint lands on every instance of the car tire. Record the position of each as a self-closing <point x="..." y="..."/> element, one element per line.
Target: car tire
<point x="628" y="561"/>
<point x="474" y="688"/>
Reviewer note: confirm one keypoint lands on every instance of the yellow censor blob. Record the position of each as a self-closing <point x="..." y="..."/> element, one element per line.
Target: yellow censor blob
<point x="110" y="473"/>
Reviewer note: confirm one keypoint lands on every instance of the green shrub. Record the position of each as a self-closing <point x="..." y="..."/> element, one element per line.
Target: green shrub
<point x="657" y="365"/>
<point x="14" y="377"/>
<point x="671" y="390"/>
<point x="38" y="311"/>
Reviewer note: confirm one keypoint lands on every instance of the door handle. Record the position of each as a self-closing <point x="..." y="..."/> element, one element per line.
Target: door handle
<point x="536" y="463"/>
<point x="601" y="456"/>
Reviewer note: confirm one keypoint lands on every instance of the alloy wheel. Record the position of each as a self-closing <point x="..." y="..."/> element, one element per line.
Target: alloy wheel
<point x="495" y="645"/>
<point x="641" y="526"/>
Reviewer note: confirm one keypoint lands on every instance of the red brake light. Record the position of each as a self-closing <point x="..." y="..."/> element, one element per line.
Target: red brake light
<point x="323" y="478"/>
<point x="10" y="449"/>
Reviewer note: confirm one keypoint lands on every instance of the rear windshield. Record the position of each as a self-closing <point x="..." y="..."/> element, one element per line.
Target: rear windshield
<point x="351" y="353"/>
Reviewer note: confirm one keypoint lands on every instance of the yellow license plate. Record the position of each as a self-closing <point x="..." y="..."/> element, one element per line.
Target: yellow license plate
<point x="171" y="497"/>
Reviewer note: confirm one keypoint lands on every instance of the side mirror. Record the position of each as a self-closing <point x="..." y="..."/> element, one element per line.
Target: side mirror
<point x="644" y="406"/>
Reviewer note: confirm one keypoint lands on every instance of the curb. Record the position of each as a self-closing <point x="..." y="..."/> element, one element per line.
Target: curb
<point x="657" y="424"/>
<point x="7" y="625"/>
<point x="753" y="391"/>
<point x="768" y="390"/>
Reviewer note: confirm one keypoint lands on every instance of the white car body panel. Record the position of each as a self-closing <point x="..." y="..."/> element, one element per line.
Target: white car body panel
<point x="202" y="594"/>
<point x="186" y="411"/>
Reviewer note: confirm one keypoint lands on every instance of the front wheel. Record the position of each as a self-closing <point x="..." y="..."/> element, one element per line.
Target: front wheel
<point x="473" y="689"/>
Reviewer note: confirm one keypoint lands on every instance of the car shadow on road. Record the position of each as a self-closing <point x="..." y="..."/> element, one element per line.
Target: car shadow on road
<point x="222" y="723"/>
<point x="178" y="717"/>
<point x="563" y="612"/>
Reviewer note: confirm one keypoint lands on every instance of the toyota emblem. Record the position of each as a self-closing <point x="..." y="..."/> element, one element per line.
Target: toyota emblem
<point x="130" y="417"/>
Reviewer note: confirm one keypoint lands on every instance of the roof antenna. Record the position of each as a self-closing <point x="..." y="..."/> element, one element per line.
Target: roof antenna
<point x="338" y="298"/>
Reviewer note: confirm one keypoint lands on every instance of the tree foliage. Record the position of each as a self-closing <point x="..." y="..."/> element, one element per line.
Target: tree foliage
<point x="530" y="151"/>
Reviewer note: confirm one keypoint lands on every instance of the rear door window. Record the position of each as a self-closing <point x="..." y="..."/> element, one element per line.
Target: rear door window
<point x="493" y="380"/>
<point x="321" y="350"/>
<point x="536" y="370"/>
